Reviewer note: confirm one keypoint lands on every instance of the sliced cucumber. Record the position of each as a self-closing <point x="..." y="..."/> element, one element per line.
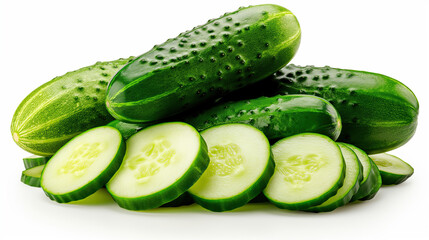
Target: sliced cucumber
<point x="370" y="181"/>
<point x="34" y="160"/>
<point x="83" y="165"/>
<point x="240" y="167"/>
<point x="393" y="170"/>
<point x="309" y="170"/>
<point x="161" y="163"/>
<point x="377" y="184"/>
<point x="350" y="186"/>
<point x="31" y="176"/>
<point x="182" y="200"/>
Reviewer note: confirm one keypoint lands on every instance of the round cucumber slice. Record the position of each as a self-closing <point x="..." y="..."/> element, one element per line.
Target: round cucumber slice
<point x="370" y="183"/>
<point x="309" y="170"/>
<point x="240" y="167"/>
<point x="161" y="163"/>
<point x="350" y="185"/>
<point x="84" y="165"/>
<point x="34" y="160"/>
<point x="32" y="176"/>
<point x="393" y="170"/>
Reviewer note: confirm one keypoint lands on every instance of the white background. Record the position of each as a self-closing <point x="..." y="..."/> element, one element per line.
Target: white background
<point x="43" y="39"/>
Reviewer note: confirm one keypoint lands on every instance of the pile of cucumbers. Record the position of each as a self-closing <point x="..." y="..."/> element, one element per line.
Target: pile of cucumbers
<point x="215" y="116"/>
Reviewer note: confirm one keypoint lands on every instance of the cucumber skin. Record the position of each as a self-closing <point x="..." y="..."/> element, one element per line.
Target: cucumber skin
<point x="174" y="191"/>
<point x="182" y="200"/>
<point x="378" y="182"/>
<point x="277" y="117"/>
<point x="378" y="113"/>
<point x="128" y="129"/>
<point x="388" y="178"/>
<point x="30" y="180"/>
<point x="92" y="186"/>
<point x="199" y="65"/>
<point x="62" y="108"/>
<point x="35" y="161"/>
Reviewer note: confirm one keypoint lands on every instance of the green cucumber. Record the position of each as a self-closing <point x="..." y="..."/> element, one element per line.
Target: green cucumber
<point x="128" y="129"/>
<point x="31" y="176"/>
<point x="202" y="64"/>
<point x="351" y="183"/>
<point x="240" y="167"/>
<point x="83" y="165"/>
<point x="378" y="113"/>
<point x="64" y="107"/>
<point x="277" y="117"/>
<point x="182" y="200"/>
<point x="309" y="170"/>
<point x="393" y="170"/>
<point x="370" y="183"/>
<point x="34" y="161"/>
<point x="161" y="162"/>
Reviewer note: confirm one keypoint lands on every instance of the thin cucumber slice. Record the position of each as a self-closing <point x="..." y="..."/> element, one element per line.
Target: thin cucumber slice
<point x="84" y="165"/>
<point x="182" y="200"/>
<point x="32" y="176"/>
<point x="351" y="183"/>
<point x="370" y="179"/>
<point x="161" y="162"/>
<point x="375" y="172"/>
<point x="34" y="160"/>
<point x="240" y="167"/>
<point x="393" y="170"/>
<point x="309" y="170"/>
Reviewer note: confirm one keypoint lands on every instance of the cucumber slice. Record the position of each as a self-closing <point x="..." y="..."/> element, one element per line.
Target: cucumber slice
<point x="34" y="160"/>
<point x="31" y="176"/>
<point x="161" y="163"/>
<point x="393" y="170"/>
<point x="370" y="182"/>
<point x="83" y="165"/>
<point x="309" y="170"/>
<point x="351" y="183"/>
<point x="240" y="167"/>
<point x="377" y="184"/>
<point x="182" y="200"/>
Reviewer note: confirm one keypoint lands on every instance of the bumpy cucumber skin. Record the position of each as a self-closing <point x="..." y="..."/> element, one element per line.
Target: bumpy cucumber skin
<point x="174" y="191"/>
<point x="316" y="201"/>
<point x="34" y="161"/>
<point x="128" y="129"/>
<point x="64" y="107"/>
<point x="389" y="178"/>
<point x="277" y="117"/>
<point x="33" y="181"/>
<point x="202" y="64"/>
<point x="347" y="197"/>
<point x="93" y="185"/>
<point x="378" y="112"/>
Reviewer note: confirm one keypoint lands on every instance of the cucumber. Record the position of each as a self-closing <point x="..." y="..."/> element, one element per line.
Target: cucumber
<point x="202" y="64"/>
<point x="83" y="165"/>
<point x="31" y="176"/>
<point x="34" y="161"/>
<point x="277" y="117"/>
<point x="350" y="186"/>
<point x="309" y="170"/>
<point x="378" y="112"/>
<point x="64" y="107"/>
<point x="240" y="167"/>
<point x="161" y="162"/>
<point x="128" y="129"/>
<point x="182" y="200"/>
<point x="370" y="183"/>
<point x="393" y="170"/>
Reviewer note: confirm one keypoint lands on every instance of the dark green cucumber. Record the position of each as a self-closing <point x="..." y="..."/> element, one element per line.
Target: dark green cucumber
<point x="34" y="161"/>
<point x="393" y="170"/>
<point x="277" y="117"/>
<point x="64" y="107"/>
<point x="202" y="64"/>
<point x="182" y="200"/>
<point x="378" y="113"/>
<point x="31" y="176"/>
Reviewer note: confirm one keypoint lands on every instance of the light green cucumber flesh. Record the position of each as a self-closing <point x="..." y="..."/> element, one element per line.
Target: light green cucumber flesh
<point x="350" y="186"/>
<point x="34" y="160"/>
<point x="83" y="165"/>
<point x="393" y="170"/>
<point x="64" y="107"/>
<point x="31" y="176"/>
<point x="309" y="170"/>
<point x="240" y="167"/>
<point x="161" y="163"/>
<point x="205" y="63"/>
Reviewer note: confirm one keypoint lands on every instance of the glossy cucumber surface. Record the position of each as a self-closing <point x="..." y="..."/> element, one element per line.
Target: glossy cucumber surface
<point x="205" y="63"/>
<point x="378" y="113"/>
<point x="64" y="107"/>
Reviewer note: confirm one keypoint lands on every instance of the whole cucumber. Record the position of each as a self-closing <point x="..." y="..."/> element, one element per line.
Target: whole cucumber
<point x="64" y="107"/>
<point x="378" y="113"/>
<point x="205" y="63"/>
